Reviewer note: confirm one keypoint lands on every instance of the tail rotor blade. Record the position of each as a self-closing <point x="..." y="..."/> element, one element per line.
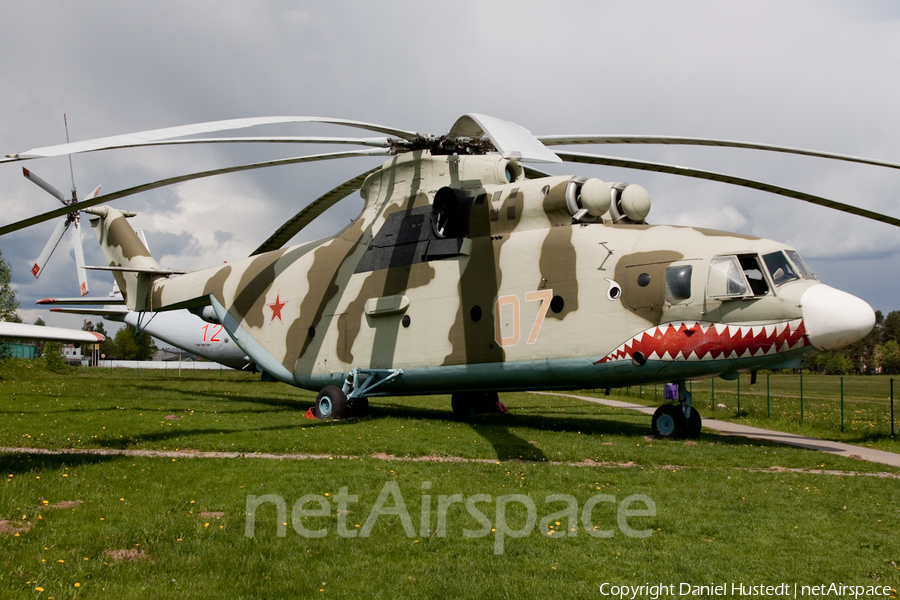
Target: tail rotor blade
<point x="49" y="188"/>
<point x="79" y="257"/>
<point x="38" y="267"/>
<point x="92" y="194"/>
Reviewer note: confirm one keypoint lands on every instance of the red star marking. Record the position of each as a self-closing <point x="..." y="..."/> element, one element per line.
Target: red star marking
<point x="276" y="307"/>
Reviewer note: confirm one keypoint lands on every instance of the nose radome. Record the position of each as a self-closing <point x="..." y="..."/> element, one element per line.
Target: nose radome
<point x="834" y="318"/>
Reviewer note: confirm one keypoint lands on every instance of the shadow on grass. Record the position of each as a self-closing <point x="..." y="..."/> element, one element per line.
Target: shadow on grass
<point x="301" y="402"/>
<point x="507" y="434"/>
<point x="19" y="463"/>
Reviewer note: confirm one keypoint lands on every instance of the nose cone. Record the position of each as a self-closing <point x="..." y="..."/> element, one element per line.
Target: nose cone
<point x="834" y="318"/>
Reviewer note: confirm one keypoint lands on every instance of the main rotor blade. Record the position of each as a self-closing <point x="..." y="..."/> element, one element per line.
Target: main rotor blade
<point x="180" y="179"/>
<point x="155" y="135"/>
<point x="79" y="257"/>
<point x="46" y="186"/>
<point x="312" y="210"/>
<point x="49" y="247"/>
<point x="560" y="140"/>
<point x="377" y="142"/>
<point x="626" y="163"/>
<point x="510" y="139"/>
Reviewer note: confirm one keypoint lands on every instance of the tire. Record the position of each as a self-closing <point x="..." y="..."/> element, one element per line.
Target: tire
<point x="462" y="406"/>
<point x="468" y="405"/>
<point x="694" y="424"/>
<point x="331" y="403"/>
<point x="669" y="422"/>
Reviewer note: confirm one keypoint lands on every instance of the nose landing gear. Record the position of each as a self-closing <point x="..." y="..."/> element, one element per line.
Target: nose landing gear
<point x="676" y="421"/>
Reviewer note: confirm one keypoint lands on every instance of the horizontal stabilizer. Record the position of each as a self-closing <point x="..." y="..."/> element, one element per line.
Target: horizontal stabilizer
<point x="147" y="270"/>
<point x="106" y="311"/>
<point x="84" y="300"/>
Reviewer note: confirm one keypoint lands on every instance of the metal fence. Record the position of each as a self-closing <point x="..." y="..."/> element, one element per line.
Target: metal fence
<point x="858" y="404"/>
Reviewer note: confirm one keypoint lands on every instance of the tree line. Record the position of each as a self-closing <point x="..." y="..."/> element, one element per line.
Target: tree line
<point x="878" y="352"/>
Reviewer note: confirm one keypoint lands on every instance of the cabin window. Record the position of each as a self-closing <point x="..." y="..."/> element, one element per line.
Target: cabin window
<point x="726" y="278"/>
<point x="678" y="283"/>
<point x="780" y="268"/>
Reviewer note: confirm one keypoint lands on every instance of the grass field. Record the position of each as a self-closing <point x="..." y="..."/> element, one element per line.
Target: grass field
<point x="175" y="526"/>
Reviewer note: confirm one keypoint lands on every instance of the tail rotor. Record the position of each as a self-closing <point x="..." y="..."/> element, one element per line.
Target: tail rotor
<point x="71" y="220"/>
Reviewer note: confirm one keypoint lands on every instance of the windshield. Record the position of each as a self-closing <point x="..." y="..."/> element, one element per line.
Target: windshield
<point x="802" y="267"/>
<point x="783" y="269"/>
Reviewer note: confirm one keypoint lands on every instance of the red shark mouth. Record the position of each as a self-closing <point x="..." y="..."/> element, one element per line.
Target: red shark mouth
<point x="708" y="341"/>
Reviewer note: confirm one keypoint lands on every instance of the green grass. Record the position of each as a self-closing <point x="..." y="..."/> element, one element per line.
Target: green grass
<point x="722" y="514"/>
<point x="866" y="410"/>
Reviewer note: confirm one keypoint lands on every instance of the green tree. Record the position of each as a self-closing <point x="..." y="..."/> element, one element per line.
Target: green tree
<point x="107" y="346"/>
<point x="891" y="327"/>
<point x="8" y="305"/>
<point x="131" y="346"/>
<point x="8" y="301"/>
<point x="39" y="345"/>
<point x="53" y="357"/>
<point x="890" y="357"/>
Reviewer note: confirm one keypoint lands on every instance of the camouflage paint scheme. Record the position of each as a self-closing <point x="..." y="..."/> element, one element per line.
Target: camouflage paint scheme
<point x="525" y="299"/>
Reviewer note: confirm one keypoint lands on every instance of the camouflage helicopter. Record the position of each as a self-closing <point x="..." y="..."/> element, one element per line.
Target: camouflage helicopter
<point x="469" y="273"/>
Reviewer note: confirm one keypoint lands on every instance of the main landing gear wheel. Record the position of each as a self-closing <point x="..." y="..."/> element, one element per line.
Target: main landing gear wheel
<point x="331" y="403"/>
<point x="468" y="405"/>
<point x="669" y="422"/>
<point x="694" y="424"/>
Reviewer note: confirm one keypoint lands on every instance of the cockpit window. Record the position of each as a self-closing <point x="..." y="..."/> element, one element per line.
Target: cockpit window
<point x="726" y="278"/>
<point x="802" y="267"/>
<point x="780" y="268"/>
<point x="753" y="271"/>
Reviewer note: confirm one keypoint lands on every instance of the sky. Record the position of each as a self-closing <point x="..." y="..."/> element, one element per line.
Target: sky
<point x="813" y="74"/>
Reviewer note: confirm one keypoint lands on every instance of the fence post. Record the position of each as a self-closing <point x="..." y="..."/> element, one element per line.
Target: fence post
<point x="768" y="408"/>
<point x="712" y="395"/>
<point x="739" y="394"/>
<point x="801" y="396"/>
<point x="892" y="409"/>
<point x="842" y="405"/>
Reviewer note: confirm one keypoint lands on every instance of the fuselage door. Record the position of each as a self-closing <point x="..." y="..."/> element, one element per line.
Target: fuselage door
<point x="644" y="285"/>
<point x="666" y="285"/>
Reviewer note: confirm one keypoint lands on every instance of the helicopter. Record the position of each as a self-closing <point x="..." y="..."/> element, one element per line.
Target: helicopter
<point x="470" y="272"/>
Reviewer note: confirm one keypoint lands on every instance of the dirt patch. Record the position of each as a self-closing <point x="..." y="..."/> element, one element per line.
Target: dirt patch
<point x="9" y="528"/>
<point x="213" y="515"/>
<point x="68" y="504"/>
<point x="390" y="457"/>
<point x="129" y="555"/>
<point x="171" y="418"/>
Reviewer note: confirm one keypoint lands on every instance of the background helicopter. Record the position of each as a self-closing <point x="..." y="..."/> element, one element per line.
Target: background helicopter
<point x="180" y="328"/>
<point x="503" y="269"/>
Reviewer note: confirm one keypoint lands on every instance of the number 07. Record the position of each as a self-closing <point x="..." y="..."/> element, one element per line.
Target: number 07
<point x="512" y="300"/>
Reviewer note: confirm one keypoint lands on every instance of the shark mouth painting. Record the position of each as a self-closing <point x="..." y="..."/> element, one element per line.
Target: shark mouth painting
<point x="708" y="341"/>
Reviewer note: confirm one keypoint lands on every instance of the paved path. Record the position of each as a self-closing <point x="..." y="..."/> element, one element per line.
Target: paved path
<point x="729" y="428"/>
